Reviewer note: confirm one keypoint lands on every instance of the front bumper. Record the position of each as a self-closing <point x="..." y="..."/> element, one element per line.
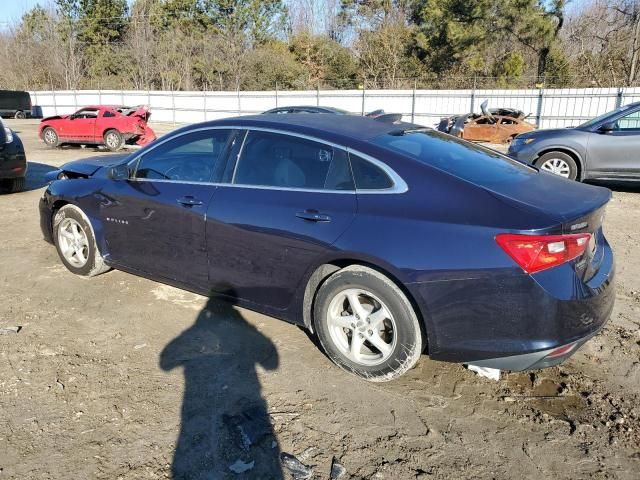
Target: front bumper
<point x="523" y="153"/>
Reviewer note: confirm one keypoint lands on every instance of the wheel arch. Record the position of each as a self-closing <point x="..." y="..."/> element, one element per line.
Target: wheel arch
<point x="323" y="271"/>
<point x="566" y="150"/>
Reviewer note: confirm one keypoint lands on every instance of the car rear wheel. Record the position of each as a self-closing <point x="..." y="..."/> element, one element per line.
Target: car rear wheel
<point x="113" y="140"/>
<point x="366" y="324"/>
<point x="20" y="115"/>
<point x="558" y="163"/>
<point x="76" y="242"/>
<point x="50" y="137"/>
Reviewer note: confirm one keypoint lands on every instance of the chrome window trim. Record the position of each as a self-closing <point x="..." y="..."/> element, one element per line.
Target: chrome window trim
<point x="399" y="185"/>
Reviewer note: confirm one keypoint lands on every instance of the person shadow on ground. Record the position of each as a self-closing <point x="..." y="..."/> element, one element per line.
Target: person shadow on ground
<point x="225" y="429"/>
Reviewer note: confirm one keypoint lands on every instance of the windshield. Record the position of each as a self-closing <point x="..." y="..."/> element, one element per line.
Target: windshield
<point x="598" y="119"/>
<point x="465" y="160"/>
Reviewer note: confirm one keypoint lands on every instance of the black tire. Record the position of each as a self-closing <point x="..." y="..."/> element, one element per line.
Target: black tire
<point x="15" y="185"/>
<point x="50" y="137"/>
<point x="113" y="140"/>
<point x="406" y="342"/>
<point x="568" y="160"/>
<point x="20" y="115"/>
<point x="94" y="264"/>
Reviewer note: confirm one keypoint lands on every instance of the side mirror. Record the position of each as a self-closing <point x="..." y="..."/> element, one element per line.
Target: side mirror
<point x="607" y="127"/>
<point x="119" y="172"/>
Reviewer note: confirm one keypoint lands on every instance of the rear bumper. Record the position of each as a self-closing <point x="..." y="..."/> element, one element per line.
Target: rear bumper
<point x="13" y="161"/>
<point x="536" y="360"/>
<point x="517" y="322"/>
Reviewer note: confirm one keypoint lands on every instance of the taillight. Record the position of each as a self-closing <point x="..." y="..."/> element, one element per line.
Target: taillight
<point x="538" y="252"/>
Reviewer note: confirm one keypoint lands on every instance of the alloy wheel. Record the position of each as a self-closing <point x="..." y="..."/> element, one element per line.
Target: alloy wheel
<point x="361" y="327"/>
<point x="73" y="242"/>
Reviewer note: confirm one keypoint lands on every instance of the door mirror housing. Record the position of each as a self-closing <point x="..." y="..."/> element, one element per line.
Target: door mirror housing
<point x="119" y="172"/>
<point x="607" y="127"/>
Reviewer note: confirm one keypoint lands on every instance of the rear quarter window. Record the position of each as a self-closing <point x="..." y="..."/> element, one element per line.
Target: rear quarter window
<point x="368" y="176"/>
<point x="465" y="160"/>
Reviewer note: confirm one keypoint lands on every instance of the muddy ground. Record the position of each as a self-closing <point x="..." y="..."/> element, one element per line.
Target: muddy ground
<point x="118" y="377"/>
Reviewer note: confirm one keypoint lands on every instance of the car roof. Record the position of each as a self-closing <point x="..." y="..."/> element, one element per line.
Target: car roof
<point x="323" y="126"/>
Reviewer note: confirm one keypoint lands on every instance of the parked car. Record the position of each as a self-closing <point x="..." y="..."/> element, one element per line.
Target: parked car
<point x="384" y="239"/>
<point x="15" y="104"/>
<point x="496" y="125"/>
<point x="604" y="148"/>
<point x="315" y="109"/>
<point x="111" y="126"/>
<point x="13" y="161"/>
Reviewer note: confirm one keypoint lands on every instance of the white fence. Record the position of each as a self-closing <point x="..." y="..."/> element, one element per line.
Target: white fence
<point x="547" y="108"/>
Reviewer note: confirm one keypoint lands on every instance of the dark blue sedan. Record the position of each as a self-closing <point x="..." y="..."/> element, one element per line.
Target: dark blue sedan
<point x="386" y="240"/>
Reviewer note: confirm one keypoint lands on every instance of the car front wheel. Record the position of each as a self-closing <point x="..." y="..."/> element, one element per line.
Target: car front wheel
<point x="366" y="324"/>
<point x="76" y="242"/>
<point x="558" y="163"/>
<point x="50" y="137"/>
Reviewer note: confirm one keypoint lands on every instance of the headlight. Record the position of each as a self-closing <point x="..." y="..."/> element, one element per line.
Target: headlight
<point x="9" y="134"/>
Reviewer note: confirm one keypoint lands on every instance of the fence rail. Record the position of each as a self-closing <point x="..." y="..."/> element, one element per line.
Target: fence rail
<point x="547" y="108"/>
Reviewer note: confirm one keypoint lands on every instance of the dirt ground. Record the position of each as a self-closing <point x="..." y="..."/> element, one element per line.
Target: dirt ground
<point x="118" y="377"/>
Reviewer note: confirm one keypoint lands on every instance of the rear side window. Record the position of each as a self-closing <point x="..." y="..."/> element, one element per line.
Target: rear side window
<point x="464" y="160"/>
<point x="368" y="176"/>
<point x="280" y="160"/>
<point x="193" y="157"/>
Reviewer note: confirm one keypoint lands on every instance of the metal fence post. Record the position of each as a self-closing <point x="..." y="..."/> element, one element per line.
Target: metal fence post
<point x="413" y="101"/>
<point x="55" y="104"/>
<point x="318" y="94"/>
<point x="99" y="96"/>
<point x="239" y="102"/>
<point x="619" y="97"/>
<point x="364" y="93"/>
<point x="204" y="108"/>
<point x="173" y="106"/>
<point x="473" y="95"/>
<point x="540" y="105"/>
<point x="276" y="94"/>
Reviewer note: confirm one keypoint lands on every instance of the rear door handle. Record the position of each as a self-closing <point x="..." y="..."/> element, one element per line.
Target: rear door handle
<point x="313" y="216"/>
<point x="189" y="201"/>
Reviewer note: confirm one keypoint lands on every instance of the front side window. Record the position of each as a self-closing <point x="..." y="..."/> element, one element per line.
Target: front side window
<point x="280" y="160"/>
<point x="629" y="122"/>
<point x="193" y="157"/>
<point x="86" y="113"/>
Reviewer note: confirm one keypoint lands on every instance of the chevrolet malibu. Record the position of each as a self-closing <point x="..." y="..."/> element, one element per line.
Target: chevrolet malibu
<point x="386" y="240"/>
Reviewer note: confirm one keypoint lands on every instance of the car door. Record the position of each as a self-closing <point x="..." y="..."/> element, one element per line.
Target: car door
<point x="155" y="221"/>
<point x="81" y="126"/>
<point x="287" y="200"/>
<point x="616" y="152"/>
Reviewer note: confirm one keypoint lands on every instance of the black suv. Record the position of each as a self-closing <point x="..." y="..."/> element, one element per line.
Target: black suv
<point x="15" y="104"/>
<point x="13" y="161"/>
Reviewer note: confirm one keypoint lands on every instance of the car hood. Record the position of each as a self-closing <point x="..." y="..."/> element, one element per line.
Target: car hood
<point x="555" y="197"/>
<point x="89" y="166"/>
<point x="54" y="117"/>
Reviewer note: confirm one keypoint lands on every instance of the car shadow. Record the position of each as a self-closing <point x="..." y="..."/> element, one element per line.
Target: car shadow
<point x="35" y="177"/>
<point x="225" y="426"/>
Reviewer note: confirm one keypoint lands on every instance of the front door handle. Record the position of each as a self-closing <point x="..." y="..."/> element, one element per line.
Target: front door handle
<point x="189" y="201"/>
<point x="313" y="216"/>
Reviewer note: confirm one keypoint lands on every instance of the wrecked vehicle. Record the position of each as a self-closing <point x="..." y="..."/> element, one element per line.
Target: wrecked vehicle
<point x="112" y="126"/>
<point x="496" y="125"/>
<point x="385" y="240"/>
